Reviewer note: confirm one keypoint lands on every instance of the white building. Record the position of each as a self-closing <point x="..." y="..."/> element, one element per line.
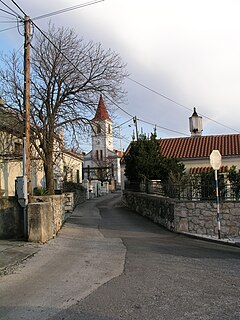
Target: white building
<point x="67" y="164"/>
<point x="103" y="161"/>
<point x="195" y="151"/>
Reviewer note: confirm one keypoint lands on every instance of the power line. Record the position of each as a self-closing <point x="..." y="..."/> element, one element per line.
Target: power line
<point x="9" y="21"/>
<point x="76" y="68"/>
<point x="158" y="93"/>
<point x="179" y="104"/>
<point x="5" y="11"/>
<point x="164" y="128"/>
<point x="117" y="105"/>
<point x="8" y="29"/>
<point x="133" y="80"/>
<point x="7" y="6"/>
<point x="123" y="123"/>
<point x="19" y="8"/>
<point x="67" y="9"/>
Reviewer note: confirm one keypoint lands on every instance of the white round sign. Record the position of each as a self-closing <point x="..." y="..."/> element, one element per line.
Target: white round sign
<point x="216" y="159"/>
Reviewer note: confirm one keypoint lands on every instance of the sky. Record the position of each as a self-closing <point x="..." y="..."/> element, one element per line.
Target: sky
<point x="187" y="51"/>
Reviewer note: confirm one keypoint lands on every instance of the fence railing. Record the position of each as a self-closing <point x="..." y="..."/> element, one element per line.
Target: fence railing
<point x="189" y="191"/>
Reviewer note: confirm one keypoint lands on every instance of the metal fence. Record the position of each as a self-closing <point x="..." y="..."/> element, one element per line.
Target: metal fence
<point x="189" y="191"/>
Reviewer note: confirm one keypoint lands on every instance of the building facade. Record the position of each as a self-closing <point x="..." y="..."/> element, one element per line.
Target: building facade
<point x="194" y="151"/>
<point x="67" y="164"/>
<point x="103" y="161"/>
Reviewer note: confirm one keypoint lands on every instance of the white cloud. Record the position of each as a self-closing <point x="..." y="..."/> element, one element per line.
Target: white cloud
<point x="188" y="50"/>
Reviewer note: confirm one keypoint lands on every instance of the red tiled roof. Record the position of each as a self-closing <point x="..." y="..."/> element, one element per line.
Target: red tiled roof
<point x="118" y="152"/>
<point x="200" y="147"/>
<point x="199" y="170"/>
<point x="101" y="113"/>
<point x="73" y="153"/>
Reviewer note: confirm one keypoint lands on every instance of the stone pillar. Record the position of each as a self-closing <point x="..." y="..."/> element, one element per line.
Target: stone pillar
<point x="85" y="184"/>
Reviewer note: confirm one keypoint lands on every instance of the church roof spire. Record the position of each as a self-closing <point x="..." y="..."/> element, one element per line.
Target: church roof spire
<point x="101" y="113"/>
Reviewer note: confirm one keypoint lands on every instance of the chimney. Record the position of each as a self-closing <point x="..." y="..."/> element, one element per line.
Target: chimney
<point x="195" y="124"/>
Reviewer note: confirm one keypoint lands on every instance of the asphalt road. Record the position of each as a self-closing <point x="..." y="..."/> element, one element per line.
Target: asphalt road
<point x="160" y="275"/>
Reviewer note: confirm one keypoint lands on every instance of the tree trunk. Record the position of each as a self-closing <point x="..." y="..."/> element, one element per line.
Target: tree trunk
<point x="48" y="168"/>
<point x="48" y="165"/>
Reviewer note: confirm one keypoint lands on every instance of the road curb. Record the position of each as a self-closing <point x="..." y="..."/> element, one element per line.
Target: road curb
<point x="208" y="239"/>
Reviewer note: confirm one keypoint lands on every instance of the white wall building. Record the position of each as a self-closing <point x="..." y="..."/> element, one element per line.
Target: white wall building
<point x="103" y="161"/>
<point x="67" y="164"/>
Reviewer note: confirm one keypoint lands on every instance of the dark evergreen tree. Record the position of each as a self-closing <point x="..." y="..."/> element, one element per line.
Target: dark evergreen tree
<point x="144" y="159"/>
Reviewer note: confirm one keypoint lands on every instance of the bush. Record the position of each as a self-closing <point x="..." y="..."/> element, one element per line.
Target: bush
<point x="40" y="191"/>
<point x="69" y="186"/>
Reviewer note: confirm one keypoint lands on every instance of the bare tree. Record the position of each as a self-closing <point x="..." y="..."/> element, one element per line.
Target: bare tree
<point x="67" y="75"/>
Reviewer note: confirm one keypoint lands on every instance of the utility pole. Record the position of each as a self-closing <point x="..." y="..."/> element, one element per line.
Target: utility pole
<point x="135" y="122"/>
<point x="27" y="40"/>
<point x="120" y="138"/>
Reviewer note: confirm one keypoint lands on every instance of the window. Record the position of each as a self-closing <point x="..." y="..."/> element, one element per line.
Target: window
<point x="109" y="128"/>
<point x="98" y="128"/>
<point x="17" y="148"/>
<point x="101" y="154"/>
<point x="65" y="173"/>
<point x="77" y="176"/>
<point x="97" y="154"/>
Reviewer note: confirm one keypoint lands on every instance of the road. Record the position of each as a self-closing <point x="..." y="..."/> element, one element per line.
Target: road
<point x="110" y="263"/>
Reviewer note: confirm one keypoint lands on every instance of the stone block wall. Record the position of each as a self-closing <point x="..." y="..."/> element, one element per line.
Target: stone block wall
<point x="80" y="195"/>
<point x="57" y="209"/>
<point x="200" y="217"/>
<point x="11" y="219"/>
<point x="157" y="208"/>
<point x="40" y="222"/>
<point x="197" y="217"/>
<point x="40" y="216"/>
<point x="68" y="202"/>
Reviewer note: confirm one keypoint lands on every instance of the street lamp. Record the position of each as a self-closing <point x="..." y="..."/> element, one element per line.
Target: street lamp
<point x="216" y="162"/>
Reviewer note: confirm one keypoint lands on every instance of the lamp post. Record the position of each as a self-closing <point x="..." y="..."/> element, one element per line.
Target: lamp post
<point x="216" y="162"/>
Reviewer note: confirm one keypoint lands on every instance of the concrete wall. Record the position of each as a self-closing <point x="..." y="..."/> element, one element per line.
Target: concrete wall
<point x="196" y="217"/>
<point x="41" y="216"/>
<point x="40" y="222"/>
<point x="46" y="215"/>
<point x="11" y="219"/>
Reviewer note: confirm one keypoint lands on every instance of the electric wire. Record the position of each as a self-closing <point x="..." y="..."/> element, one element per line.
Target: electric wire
<point x="10" y="13"/>
<point x="103" y="94"/>
<point x="123" y="123"/>
<point x="161" y="127"/>
<point x="19" y="8"/>
<point x="179" y="104"/>
<point x="7" y="6"/>
<point x="7" y="21"/>
<point x="66" y="9"/>
<point x="114" y="103"/>
<point x="76" y="68"/>
<point x="133" y="80"/>
<point x="10" y="28"/>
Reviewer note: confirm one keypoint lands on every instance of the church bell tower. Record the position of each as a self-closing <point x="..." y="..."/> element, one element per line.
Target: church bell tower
<point x="102" y="136"/>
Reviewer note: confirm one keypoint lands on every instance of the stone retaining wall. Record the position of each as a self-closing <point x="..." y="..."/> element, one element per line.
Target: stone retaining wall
<point x="198" y="217"/>
<point x="57" y="214"/>
<point x="11" y="219"/>
<point x="40" y="216"/>
<point x="40" y="222"/>
<point x="80" y="196"/>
